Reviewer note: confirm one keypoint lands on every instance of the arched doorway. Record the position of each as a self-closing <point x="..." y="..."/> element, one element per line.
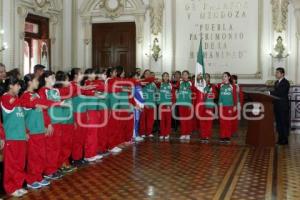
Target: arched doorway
<point x="36" y="43"/>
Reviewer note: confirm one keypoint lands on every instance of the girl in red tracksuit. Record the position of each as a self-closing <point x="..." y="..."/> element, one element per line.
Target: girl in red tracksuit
<point x="184" y="101"/>
<point x="125" y="106"/>
<point x="15" y="139"/>
<point x="34" y="120"/>
<point x="148" y="114"/>
<point x="93" y="118"/>
<point x="166" y="100"/>
<point x="80" y="116"/>
<point x="52" y="124"/>
<point x="114" y="136"/>
<point x="227" y="106"/>
<point x="102" y="110"/>
<point x="67" y="122"/>
<point x="120" y="124"/>
<point x="240" y="96"/>
<point x="207" y="114"/>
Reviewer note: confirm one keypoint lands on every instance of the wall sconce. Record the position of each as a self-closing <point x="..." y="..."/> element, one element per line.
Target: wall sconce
<point x="155" y="51"/>
<point x="279" y="50"/>
<point x="4" y="45"/>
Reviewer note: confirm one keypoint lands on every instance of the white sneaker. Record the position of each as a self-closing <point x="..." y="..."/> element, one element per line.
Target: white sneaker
<point x="188" y="137"/>
<point x="139" y="139"/>
<point x="167" y="137"/>
<point x="23" y="191"/>
<point x="92" y="159"/>
<point x="17" y="193"/>
<point x="98" y="157"/>
<point x="151" y="135"/>
<point x="116" y="150"/>
<point x="182" y="137"/>
<point x="161" y="137"/>
<point x="143" y="136"/>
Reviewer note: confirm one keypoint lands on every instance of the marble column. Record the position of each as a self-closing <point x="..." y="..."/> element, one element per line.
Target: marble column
<point x="87" y="27"/>
<point x="297" y="74"/>
<point x="156" y="20"/>
<point x="22" y="14"/>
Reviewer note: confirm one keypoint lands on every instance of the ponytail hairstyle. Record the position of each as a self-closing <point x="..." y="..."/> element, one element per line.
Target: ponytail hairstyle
<point x="86" y="75"/>
<point x="120" y="71"/>
<point x="42" y="78"/>
<point x="229" y="75"/>
<point x="25" y="85"/>
<point x="234" y="78"/>
<point x="74" y="72"/>
<point x="108" y="72"/>
<point x="60" y="77"/>
<point x="10" y="80"/>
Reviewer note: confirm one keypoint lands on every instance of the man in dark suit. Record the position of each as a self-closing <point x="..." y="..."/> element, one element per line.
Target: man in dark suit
<point x="281" y="106"/>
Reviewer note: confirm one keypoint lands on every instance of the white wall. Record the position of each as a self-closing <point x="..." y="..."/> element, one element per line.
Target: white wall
<point x="70" y="49"/>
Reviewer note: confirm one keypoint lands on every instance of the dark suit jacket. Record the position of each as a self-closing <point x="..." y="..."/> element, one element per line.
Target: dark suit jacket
<point x="281" y="90"/>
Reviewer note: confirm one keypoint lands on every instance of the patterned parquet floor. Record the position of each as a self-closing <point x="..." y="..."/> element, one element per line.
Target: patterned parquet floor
<point x="182" y="171"/>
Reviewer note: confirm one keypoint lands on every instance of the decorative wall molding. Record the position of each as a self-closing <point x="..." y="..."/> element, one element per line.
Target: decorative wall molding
<point x="156" y="14"/>
<point x="113" y="9"/>
<point x="53" y="24"/>
<point x="297" y="15"/>
<point x="87" y="26"/>
<point x="280" y="14"/>
<point x="22" y="13"/>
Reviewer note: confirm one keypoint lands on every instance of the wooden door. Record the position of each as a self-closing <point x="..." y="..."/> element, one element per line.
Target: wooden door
<point x="113" y="45"/>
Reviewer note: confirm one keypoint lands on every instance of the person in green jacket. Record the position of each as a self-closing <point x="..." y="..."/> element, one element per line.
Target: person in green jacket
<point x="34" y="120"/>
<point x="165" y="101"/>
<point x="15" y="139"/>
<point x="184" y="101"/>
<point x="148" y="113"/>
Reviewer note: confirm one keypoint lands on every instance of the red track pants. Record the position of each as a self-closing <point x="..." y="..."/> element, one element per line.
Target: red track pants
<point x="186" y="121"/>
<point x="14" y="165"/>
<point x="114" y="134"/>
<point x="53" y="148"/>
<point x="226" y="118"/>
<point x="206" y="122"/>
<point x="66" y="144"/>
<point x="36" y="157"/>
<point x="165" y="120"/>
<point x="147" y="121"/>
<point x="102" y="131"/>
<point x="126" y="125"/>
<point x="79" y="135"/>
<point x="91" y="142"/>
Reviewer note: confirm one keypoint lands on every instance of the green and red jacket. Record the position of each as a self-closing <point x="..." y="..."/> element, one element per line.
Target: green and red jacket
<point x="185" y="93"/>
<point x="34" y="118"/>
<point x="227" y="94"/>
<point x="13" y="118"/>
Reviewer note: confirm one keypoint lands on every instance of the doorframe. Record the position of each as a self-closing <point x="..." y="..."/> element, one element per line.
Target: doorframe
<point x="89" y="15"/>
<point x="135" y="39"/>
<point x="44" y="24"/>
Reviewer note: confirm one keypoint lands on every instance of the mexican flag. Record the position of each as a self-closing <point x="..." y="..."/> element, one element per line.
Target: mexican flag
<point x="200" y="68"/>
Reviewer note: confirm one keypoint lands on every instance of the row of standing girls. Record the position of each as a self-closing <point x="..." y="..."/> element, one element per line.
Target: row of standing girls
<point x="59" y="122"/>
<point x="56" y="120"/>
<point x="199" y="102"/>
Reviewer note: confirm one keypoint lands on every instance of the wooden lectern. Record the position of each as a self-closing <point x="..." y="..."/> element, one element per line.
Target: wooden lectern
<point x="261" y="129"/>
